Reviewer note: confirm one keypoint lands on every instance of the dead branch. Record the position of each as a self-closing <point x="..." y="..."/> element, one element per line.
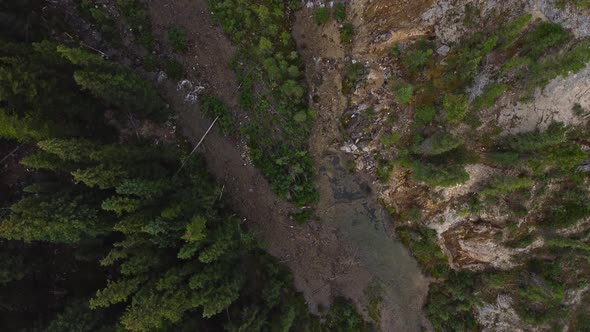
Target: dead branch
<point x="11" y="153"/>
<point x="197" y="146"/>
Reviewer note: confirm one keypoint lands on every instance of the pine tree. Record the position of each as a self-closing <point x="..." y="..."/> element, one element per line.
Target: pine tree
<point x="65" y="216"/>
<point x="122" y="90"/>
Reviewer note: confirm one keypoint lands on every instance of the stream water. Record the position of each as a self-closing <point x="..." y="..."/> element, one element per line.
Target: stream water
<point x="349" y="206"/>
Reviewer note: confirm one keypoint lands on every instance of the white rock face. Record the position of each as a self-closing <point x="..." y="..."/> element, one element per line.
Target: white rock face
<point x="554" y="103"/>
<point x="499" y="316"/>
<point x="570" y="17"/>
<point x="448" y="15"/>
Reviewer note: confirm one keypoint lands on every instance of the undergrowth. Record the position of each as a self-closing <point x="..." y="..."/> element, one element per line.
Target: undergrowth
<point x="280" y="119"/>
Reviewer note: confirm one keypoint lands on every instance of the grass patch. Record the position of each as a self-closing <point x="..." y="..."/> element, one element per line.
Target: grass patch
<point x="346" y="33"/>
<point x="177" y="39"/>
<point x="214" y="107"/>
<point x="490" y="95"/>
<point x="136" y="16"/>
<point x="174" y="69"/>
<point x="355" y="73"/>
<point x="403" y="92"/>
<point x="340" y="11"/>
<point x="98" y="15"/>
<point x="321" y="15"/>
<point x="423" y="244"/>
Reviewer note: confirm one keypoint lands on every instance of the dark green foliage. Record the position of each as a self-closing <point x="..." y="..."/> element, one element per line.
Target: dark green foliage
<point x="403" y="92"/>
<point x="414" y="214"/>
<point x="504" y="159"/>
<point x="434" y="175"/>
<point x="343" y="317"/>
<point x="174" y="69"/>
<point x="178" y="39"/>
<point x="423" y="244"/>
<point x="425" y="114"/>
<point x="439" y="143"/>
<point x="78" y="317"/>
<point x="151" y="63"/>
<point x="567" y="207"/>
<point x="340" y="11"/>
<point x="395" y="50"/>
<point x="542" y="38"/>
<point x="136" y="16"/>
<point x="537" y="140"/>
<point x="280" y="120"/>
<point x="510" y="33"/>
<point x="503" y="185"/>
<point x="98" y="14"/>
<point x="39" y="97"/>
<point x="456" y="107"/>
<point x="390" y="139"/>
<point x="214" y="107"/>
<point x="465" y="62"/>
<point x="123" y="90"/>
<point x="355" y="73"/>
<point x="384" y="170"/>
<point x="346" y="33"/>
<point x="491" y="93"/>
<point x="141" y="222"/>
<point x="450" y="305"/>
<point x="416" y="60"/>
<point x="321" y="15"/>
<point x="578" y="3"/>
<point x="60" y="217"/>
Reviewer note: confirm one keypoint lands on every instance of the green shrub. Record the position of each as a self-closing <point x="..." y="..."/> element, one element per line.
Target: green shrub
<point x="321" y="15"/>
<point x="214" y="107"/>
<point x="537" y="140"/>
<point x="511" y="32"/>
<point x="434" y="175"/>
<point x="343" y="317"/>
<point x="503" y="185"/>
<point x="395" y="50"/>
<point x="561" y="4"/>
<point x="440" y="143"/>
<point x="567" y="208"/>
<point x="390" y="139"/>
<point x="450" y="305"/>
<point x="415" y="60"/>
<point x="425" y="114"/>
<point x="178" y="39"/>
<point x="384" y="169"/>
<point x="544" y="37"/>
<point x="572" y="61"/>
<point x="403" y="92"/>
<point x="464" y="62"/>
<point x="136" y="17"/>
<point x="97" y="14"/>
<point x="423" y="244"/>
<point x="456" y="107"/>
<point x="490" y="95"/>
<point x="569" y="244"/>
<point x="346" y="33"/>
<point x="414" y="214"/>
<point x="504" y="158"/>
<point x="174" y="69"/>
<point x="151" y="62"/>
<point x="268" y="68"/>
<point x="340" y="11"/>
<point x="354" y="74"/>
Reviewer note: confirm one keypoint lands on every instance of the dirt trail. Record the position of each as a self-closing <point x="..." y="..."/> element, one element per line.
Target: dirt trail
<point x="327" y="258"/>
